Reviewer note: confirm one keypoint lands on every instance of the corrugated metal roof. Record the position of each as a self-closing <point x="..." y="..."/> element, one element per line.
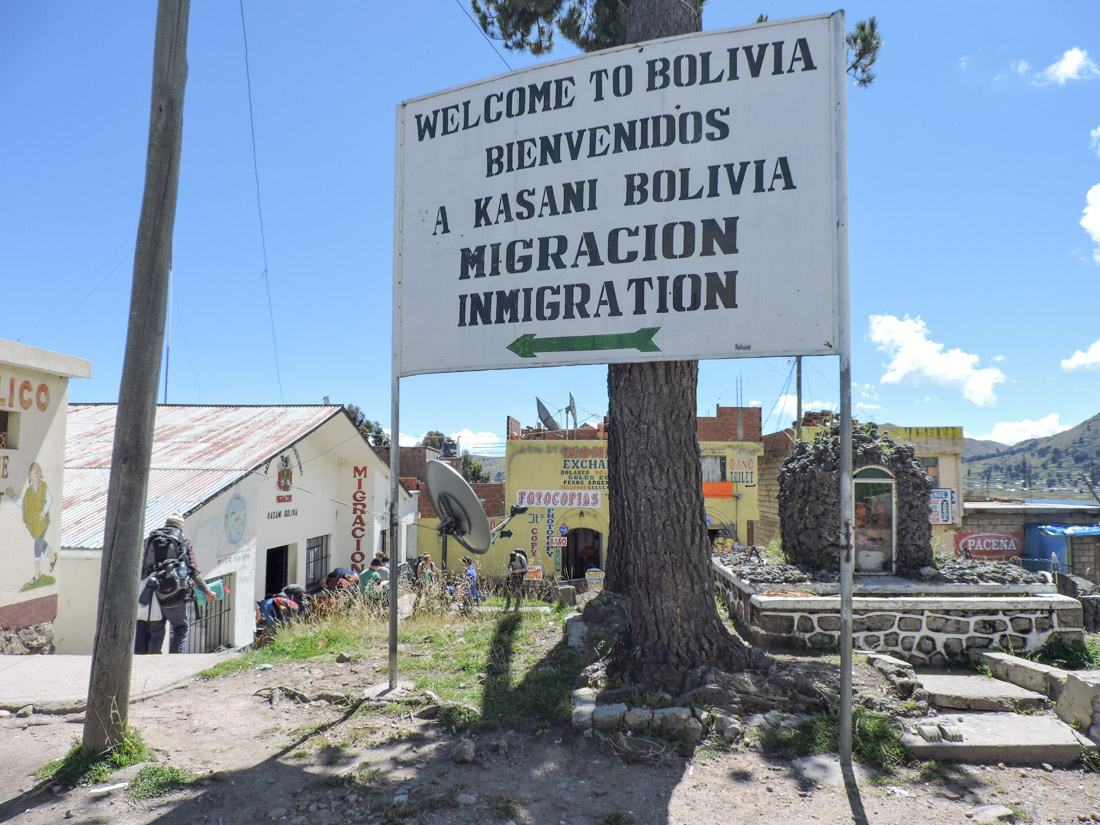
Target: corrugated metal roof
<point x="198" y="451"/>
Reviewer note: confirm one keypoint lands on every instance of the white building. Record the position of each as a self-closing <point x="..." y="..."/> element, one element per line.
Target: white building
<point x="34" y="391"/>
<point x="270" y="496"/>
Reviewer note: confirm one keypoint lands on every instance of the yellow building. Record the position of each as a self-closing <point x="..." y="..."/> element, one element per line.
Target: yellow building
<point x="563" y="483"/>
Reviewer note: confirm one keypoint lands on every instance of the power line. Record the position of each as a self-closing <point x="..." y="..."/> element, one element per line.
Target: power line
<point x="483" y="34"/>
<point x="259" y="207"/>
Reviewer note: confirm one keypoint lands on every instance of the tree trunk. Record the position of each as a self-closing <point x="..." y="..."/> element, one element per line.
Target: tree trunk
<point x="658" y="554"/>
<point x="112" y="651"/>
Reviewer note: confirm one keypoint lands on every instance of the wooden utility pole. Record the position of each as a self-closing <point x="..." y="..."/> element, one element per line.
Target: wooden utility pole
<point x="112" y="653"/>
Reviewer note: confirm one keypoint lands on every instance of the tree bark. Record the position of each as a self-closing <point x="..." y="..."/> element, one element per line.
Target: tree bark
<point x="658" y="554"/>
<point x="112" y="653"/>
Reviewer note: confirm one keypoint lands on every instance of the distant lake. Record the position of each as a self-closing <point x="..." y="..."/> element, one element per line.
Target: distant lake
<point x="1081" y="502"/>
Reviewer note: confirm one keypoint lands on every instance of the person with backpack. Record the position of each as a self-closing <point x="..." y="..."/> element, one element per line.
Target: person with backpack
<point x="517" y="572"/>
<point x="170" y="573"/>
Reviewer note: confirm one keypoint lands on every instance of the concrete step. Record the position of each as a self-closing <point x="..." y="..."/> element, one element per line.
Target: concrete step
<point x="991" y="738"/>
<point x="974" y="692"/>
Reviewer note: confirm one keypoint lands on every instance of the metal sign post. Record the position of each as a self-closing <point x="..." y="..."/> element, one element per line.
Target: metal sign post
<point x="845" y="347"/>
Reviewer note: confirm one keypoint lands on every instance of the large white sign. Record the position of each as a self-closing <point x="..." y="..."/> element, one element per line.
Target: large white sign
<point x="678" y="199"/>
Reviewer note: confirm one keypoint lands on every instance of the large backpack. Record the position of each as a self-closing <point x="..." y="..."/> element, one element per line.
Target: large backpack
<point x="168" y="564"/>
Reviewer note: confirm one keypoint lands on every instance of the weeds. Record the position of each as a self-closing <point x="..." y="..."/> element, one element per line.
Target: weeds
<point x="875" y="739"/>
<point x="506" y="808"/>
<point x="1069" y="655"/>
<point x="1090" y="761"/>
<point x="83" y="767"/>
<point x="154" y="781"/>
<point x="617" y="818"/>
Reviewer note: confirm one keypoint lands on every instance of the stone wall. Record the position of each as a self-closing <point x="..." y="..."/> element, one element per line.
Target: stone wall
<point x="1090" y="608"/>
<point x="923" y="629"/>
<point x="27" y="640"/>
<point x="809" y="499"/>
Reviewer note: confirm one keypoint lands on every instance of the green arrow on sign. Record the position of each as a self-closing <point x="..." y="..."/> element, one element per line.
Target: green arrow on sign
<point x="528" y="346"/>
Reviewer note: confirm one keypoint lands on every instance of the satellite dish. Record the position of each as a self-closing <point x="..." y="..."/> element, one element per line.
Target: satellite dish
<point x="461" y="515"/>
<point x="546" y="418"/>
<point x="573" y="409"/>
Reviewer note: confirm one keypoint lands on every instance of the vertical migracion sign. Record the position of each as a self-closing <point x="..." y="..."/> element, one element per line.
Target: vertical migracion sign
<point x="676" y="199"/>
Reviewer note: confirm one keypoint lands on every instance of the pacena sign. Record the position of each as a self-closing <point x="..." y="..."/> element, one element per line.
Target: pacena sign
<point x="676" y="199"/>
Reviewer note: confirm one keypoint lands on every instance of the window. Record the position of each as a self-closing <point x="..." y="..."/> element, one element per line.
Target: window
<point x="931" y="464"/>
<point x="714" y="468"/>
<point x="9" y="430"/>
<point x="316" y="560"/>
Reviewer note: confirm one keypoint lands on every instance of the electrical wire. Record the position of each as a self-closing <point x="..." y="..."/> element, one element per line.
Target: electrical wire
<point x="72" y="292"/>
<point x="259" y="206"/>
<point x="488" y="39"/>
<point x="782" y="393"/>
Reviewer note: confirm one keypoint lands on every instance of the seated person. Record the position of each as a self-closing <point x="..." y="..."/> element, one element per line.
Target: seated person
<point x="370" y="583"/>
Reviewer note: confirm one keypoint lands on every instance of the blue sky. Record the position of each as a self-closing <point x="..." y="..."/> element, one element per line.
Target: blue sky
<point x="974" y="210"/>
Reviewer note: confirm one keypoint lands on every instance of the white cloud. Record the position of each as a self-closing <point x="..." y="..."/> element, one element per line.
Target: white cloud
<point x="1095" y="142"/>
<point x="478" y="443"/>
<point x="914" y="356"/>
<point x="998" y="358"/>
<point x="963" y="61"/>
<point x="865" y="406"/>
<point x="1090" y="219"/>
<point x="1073" y="65"/>
<point x="1021" y="67"/>
<point x="1009" y="432"/>
<point x="786" y="408"/>
<point x="1089" y="359"/>
<point x="405" y="440"/>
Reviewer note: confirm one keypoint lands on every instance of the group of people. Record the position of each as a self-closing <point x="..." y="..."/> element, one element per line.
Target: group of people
<point x="171" y="578"/>
<point x="426" y="577"/>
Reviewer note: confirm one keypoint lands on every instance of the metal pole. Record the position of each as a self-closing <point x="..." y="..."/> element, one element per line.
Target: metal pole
<point x="395" y="517"/>
<point x="845" y="347"/>
<point x="798" y="421"/>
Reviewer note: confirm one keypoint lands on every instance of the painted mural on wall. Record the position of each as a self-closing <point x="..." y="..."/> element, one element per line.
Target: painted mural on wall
<point x="35" y="502"/>
<point x="31" y="457"/>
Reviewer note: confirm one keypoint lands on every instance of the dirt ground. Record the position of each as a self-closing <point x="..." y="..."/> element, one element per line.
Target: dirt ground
<point x="262" y="756"/>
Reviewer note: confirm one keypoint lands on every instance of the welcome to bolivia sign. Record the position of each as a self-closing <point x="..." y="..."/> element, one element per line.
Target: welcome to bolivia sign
<point x="677" y="199"/>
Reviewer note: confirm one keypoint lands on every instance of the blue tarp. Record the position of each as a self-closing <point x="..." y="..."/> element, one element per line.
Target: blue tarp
<point x="1070" y="530"/>
<point x="1042" y="542"/>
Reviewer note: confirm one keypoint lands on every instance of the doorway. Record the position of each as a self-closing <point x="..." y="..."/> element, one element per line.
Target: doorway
<point x="583" y="552"/>
<point x="275" y="577"/>
<point x="875" y="516"/>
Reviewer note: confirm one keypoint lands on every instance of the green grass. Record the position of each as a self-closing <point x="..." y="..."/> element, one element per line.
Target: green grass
<point x="1070" y="655"/>
<point x="154" y="781"/>
<point x="617" y="818"/>
<point x="84" y="767"/>
<point x="875" y="739"/>
<point x="487" y="668"/>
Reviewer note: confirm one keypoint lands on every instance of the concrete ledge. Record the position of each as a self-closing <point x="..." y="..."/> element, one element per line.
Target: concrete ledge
<point x="1050" y="681"/>
<point x="1079" y="703"/>
<point x="1003" y="737"/>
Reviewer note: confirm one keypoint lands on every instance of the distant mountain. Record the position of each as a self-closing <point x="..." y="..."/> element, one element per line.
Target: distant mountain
<point x="1050" y="467"/>
<point x="493" y="465"/>
<point x="976" y="448"/>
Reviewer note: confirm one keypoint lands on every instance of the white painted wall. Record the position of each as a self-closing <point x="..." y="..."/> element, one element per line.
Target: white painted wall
<point x="36" y="402"/>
